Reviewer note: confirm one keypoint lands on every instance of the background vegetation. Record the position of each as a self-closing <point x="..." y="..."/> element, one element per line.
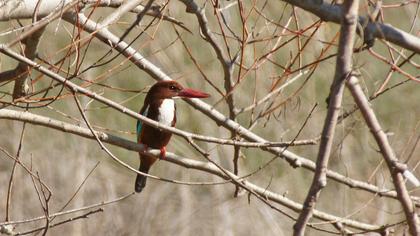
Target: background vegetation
<point x="281" y="39"/>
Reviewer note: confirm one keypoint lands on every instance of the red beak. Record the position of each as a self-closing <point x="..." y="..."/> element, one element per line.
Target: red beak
<point x="191" y="93"/>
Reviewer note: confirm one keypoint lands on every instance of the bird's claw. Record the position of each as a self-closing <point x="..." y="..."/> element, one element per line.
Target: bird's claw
<point x="162" y="150"/>
<point x="162" y="153"/>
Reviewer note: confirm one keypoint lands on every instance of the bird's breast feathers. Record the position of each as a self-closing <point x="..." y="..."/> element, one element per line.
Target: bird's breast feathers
<point x="166" y="112"/>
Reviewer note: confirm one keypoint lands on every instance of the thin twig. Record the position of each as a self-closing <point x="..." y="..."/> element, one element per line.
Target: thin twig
<point x="188" y="163"/>
<point x="293" y="159"/>
<point x="12" y="174"/>
<point x="397" y="169"/>
<point x="84" y="216"/>
<point x="100" y="204"/>
<point x="342" y="70"/>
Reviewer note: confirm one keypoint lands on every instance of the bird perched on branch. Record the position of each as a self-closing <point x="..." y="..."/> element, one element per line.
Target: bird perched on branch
<point x="159" y="106"/>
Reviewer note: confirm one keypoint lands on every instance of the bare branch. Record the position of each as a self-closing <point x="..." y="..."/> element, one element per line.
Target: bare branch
<point x="262" y="49"/>
<point x="227" y="65"/>
<point x="27" y="169"/>
<point x="30" y="38"/>
<point x="12" y="174"/>
<point x="21" y="9"/>
<point x="173" y="158"/>
<point x="156" y="73"/>
<point x="104" y="203"/>
<point x="119" y="12"/>
<point x="342" y="70"/>
<point x="22" y="71"/>
<point x="154" y="11"/>
<point x="58" y="12"/>
<point x="328" y="12"/>
<point x="396" y="169"/>
<point x="83" y="216"/>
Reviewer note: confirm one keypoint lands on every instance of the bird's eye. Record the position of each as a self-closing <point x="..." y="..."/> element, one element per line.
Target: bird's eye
<point x="172" y="87"/>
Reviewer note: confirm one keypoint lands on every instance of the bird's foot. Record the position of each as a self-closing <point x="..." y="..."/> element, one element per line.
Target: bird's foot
<point x="162" y="153"/>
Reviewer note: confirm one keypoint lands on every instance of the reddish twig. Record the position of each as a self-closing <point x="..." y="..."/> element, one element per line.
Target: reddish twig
<point x="342" y="71"/>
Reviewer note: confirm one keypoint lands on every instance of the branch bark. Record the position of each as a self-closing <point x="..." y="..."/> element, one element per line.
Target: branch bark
<point x="22" y="71"/>
<point x="227" y="65"/>
<point x="21" y="9"/>
<point x="124" y="110"/>
<point x="342" y="71"/>
<point x="30" y="37"/>
<point x="234" y="127"/>
<point x="173" y="158"/>
<point x="25" y="9"/>
<point x="396" y="169"/>
<point x="155" y="72"/>
<point x="154" y="11"/>
<point x="334" y="13"/>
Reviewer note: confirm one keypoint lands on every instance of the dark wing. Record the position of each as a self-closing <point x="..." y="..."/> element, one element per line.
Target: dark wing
<point x="144" y="110"/>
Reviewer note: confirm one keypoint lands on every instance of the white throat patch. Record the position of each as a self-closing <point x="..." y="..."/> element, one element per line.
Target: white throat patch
<point x="167" y="112"/>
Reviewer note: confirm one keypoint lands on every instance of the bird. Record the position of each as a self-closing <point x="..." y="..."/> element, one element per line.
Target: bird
<point x="159" y="105"/>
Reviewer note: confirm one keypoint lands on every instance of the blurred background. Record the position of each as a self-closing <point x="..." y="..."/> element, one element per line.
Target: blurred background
<point x="63" y="161"/>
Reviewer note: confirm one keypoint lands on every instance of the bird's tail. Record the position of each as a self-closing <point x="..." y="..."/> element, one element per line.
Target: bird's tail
<point x="141" y="179"/>
<point x="145" y="163"/>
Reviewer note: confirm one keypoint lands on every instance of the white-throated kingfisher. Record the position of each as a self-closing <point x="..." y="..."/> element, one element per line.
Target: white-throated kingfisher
<point x="159" y="105"/>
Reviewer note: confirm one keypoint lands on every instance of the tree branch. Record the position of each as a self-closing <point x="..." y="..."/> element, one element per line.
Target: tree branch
<point x="83" y="216"/>
<point x="155" y="72"/>
<point x="396" y="169"/>
<point x="30" y="37"/>
<point x="22" y="71"/>
<point x="61" y="213"/>
<point x="173" y="158"/>
<point x="24" y="9"/>
<point x="154" y="11"/>
<point x="342" y="70"/>
<point x="334" y="13"/>
<point x="227" y="65"/>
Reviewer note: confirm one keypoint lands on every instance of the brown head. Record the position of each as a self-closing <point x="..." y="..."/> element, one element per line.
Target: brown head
<point x="172" y="89"/>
